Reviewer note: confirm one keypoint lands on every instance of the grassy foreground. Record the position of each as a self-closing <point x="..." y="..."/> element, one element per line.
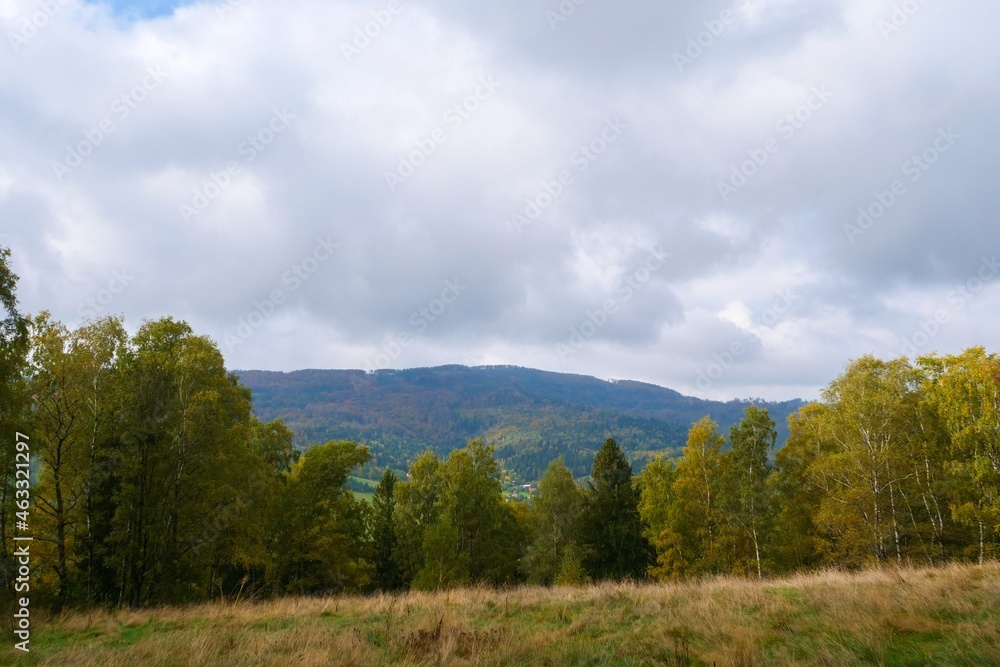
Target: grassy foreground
<point x="948" y="616"/>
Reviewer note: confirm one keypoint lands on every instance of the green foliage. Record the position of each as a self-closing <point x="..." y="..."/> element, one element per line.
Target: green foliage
<point x="446" y="564"/>
<point x="796" y="541"/>
<point x="611" y="533"/>
<point x="657" y="506"/>
<point x="964" y="392"/>
<point x="14" y="397"/>
<point x="319" y="546"/>
<point x="530" y="417"/>
<point x="383" y="535"/>
<point x="553" y="519"/>
<point x="417" y="509"/>
<point x="748" y="507"/>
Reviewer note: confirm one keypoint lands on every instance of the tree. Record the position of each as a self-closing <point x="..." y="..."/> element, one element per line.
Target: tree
<point x="75" y="415"/>
<point x="554" y="514"/>
<point x="797" y="542"/>
<point x="56" y="386"/>
<point x="417" y="509"/>
<point x="611" y="533"/>
<point x="656" y="507"/>
<point x="965" y="392"/>
<point x="319" y="546"/>
<point x="489" y="536"/>
<point x="183" y="456"/>
<point x="383" y="534"/>
<point x="14" y="344"/>
<point x="871" y="424"/>
<point x="446" y="565"/>
<point x="693" y="545"/>
<point x="749" y="506"/>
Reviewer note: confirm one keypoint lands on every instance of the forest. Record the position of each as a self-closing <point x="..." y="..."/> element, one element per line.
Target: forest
<point x="531" y="417"/>
<point x="153" y="482"/>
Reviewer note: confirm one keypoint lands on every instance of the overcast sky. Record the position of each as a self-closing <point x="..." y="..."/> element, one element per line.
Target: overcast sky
<point x="730" y="199"/>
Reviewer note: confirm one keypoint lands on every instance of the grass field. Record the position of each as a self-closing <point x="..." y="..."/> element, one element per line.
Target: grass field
<point x="948" y="616"/>
<point x="361" y="495"/>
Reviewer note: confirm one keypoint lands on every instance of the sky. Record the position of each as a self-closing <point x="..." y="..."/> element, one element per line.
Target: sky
<point x="728" y="198"/>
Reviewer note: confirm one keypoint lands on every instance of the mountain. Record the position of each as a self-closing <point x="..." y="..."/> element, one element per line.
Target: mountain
<point x="530" y="416"/>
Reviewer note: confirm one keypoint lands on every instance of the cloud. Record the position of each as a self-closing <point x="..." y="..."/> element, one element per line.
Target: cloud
<point x="418" y="136"/>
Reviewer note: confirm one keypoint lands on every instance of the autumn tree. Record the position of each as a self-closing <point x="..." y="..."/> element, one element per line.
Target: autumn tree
<point x="870" y="423"/>
<point x="965" y="392"/>
<point x="693" y="544"/>
<point x="796" y="541"/>
<point x="73" y="381"/>
<point x="656" y="507"/>
<point x="749" y="503"/>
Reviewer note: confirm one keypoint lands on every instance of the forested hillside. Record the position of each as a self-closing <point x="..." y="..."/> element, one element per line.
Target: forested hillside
<point x="529" y="416"/>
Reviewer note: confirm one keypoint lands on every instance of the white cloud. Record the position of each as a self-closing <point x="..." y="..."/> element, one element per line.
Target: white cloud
<point x="655" y="185"/>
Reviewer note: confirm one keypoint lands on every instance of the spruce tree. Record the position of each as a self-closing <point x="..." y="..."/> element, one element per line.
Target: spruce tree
<point x="611" y="530"/>
<point x="383" y="534"/>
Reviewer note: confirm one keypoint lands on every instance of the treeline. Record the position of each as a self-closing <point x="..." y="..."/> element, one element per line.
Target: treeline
<point x="154" y="483"/>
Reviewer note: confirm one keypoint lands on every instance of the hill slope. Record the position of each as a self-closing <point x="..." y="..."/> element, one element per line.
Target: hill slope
<point x="531" y="416"/>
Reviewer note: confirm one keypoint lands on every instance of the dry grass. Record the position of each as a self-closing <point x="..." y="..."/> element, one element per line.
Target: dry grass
<point x="946" y="616"/>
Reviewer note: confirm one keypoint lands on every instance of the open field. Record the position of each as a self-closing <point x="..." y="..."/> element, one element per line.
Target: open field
<point x="948" y="616"/>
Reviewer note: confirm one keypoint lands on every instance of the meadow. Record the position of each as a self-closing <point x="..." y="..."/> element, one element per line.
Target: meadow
<point x="892" y="617"/>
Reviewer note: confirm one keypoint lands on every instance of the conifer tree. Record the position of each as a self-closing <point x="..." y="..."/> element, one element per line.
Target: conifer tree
<point x="611" y="532"/>
<point x="384" y="537"/>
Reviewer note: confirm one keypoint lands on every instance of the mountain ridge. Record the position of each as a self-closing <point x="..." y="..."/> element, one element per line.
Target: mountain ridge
<point x="531" y="416"/>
